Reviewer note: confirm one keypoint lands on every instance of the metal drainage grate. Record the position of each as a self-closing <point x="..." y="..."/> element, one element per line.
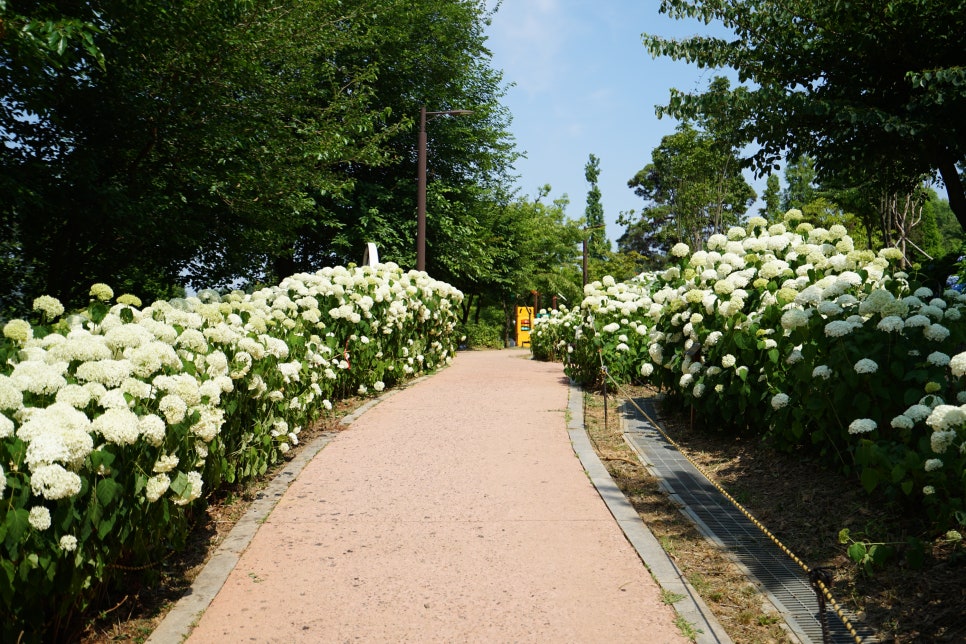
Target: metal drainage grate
<point x="780" y="578"/>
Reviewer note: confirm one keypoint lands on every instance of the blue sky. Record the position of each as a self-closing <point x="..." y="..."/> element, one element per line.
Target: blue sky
<point x="583" y="83"/>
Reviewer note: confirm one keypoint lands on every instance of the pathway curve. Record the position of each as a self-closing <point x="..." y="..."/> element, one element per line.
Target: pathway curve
<point x="454" y="510"/>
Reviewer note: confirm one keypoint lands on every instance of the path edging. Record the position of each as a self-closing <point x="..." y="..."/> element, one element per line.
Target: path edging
<point x="180" y="620"/>
<point x="691" y="606"/>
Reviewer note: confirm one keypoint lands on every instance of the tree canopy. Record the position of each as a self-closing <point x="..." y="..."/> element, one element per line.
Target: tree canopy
<point x="693" y="188"/>
<point x="224" y="142"/>
<point x="873" y="90"/>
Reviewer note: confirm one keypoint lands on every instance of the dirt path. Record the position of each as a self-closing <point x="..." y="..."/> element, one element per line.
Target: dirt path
<point x="454" y="510"/>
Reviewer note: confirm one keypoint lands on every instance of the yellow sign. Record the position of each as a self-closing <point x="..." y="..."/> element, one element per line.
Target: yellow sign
<point x="524" y="324"/>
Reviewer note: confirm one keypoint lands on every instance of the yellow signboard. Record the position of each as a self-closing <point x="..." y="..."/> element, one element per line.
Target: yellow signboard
<point x="524" y="325"/>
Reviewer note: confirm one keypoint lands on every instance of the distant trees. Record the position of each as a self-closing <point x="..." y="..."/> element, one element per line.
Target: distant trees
<point x="597" y="245"/>
<point x="152" y="145"/>
<point x="874" y="91"/>
<point x="693" y="188"/>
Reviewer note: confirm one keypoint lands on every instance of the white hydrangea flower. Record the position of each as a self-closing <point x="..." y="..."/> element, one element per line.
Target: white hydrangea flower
<point x="193" y="491"/>
<point x="54" y="482"/>
<point x="866" y="365"/>
<point x="794" y="318"/>
<point x="680" y="250"/>
<point x="779" y="401"/>
<point x="39" y="518"/>
<point x="822" y="371"/>
<point x="936" y="332"/>
<point x="839" y="328"/>
<point x="118" y="426"/>
<point x="862" y="426"/>
<point x="68" y="543"/>
<point x="944" y="417"/>
<point x="156" y="486"/>
<point x="938" y="359"/>
<point x="49" y="306"/>
<point x="891" y="324"/>
<point x="902" y="422"/>
<point x="174" y="408"/>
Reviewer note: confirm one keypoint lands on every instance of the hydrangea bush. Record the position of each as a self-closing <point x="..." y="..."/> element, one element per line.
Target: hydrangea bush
<point x="790" y="331"/>
<point x="115" y="420"/>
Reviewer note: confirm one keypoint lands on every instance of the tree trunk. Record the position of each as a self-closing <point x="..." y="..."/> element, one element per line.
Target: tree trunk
<point x="467" y="307"/>
<point x="954" y="186"/>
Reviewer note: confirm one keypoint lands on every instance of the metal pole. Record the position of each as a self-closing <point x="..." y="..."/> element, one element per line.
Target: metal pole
<point x="421" y="195"/>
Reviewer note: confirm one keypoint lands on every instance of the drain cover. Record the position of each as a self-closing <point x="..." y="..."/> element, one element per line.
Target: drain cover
<point x="781" y="579"/>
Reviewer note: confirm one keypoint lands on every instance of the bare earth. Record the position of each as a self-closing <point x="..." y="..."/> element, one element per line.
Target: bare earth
<point x="454" y="510"/>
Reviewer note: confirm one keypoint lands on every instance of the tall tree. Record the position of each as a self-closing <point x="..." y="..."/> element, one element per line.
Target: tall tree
<point x="197" y="152"/>
<point x="692" y="188"/>
<point x="234" y="141"/>
<point x="596" y="234"/>
<point x="432" y="53"/>
<point x="874" y="89"/>
<point x="800" y="188"/>
<point x="772" y="208"/>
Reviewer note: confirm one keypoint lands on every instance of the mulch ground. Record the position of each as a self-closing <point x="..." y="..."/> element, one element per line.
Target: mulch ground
<point x="805" y="505"/>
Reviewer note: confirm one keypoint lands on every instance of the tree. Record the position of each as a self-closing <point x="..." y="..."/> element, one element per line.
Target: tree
<point x="535" y="248"/>
<point x="231" y="142"/>
<point x="800" y="183"/>
<point x="596" y="235"/>
<point x="873" y="90"/>
<point x="693" y="187"/>
<point x="772" y="210"/>
<point x="196" y="154"/>
<point x="432" y="53"/>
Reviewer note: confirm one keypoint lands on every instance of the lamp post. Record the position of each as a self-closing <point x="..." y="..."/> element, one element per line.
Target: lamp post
<point x="421" y="184"/>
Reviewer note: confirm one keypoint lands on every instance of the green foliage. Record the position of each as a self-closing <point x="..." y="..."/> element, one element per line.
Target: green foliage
<point x="870" y="90"/>
<point x="535" y="247"/>
<point x="232" y="143"/>
<point x="693" y="187"/>
<point x="772" y="210"/>
<point x="789" y="331"/>
<point x="597" y="245"/>
<point x="108" y="451"/>
<point x="482" y="336"/>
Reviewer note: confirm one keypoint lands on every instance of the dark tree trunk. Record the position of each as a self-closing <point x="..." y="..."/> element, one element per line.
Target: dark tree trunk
<point x="954" y="186"/>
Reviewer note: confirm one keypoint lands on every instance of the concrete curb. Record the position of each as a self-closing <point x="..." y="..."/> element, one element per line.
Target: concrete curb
<point x="177" y="624"/>
<point x="690" y="607"/>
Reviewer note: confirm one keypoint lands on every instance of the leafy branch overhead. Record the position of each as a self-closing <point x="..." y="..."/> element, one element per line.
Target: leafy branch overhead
<point x="875" y="89"/>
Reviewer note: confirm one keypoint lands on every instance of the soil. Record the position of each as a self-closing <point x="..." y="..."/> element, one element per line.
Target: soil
<point x="801" y="502"/>
<point x="805" y="505"/>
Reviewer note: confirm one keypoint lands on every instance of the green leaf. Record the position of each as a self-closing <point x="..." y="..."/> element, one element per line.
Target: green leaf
<point x="98" y="311"/>
<point x="107" y="490"/>
<point x="870" y="479"/>
<point x="857" y="552"/>
<point x="16" y="523"/>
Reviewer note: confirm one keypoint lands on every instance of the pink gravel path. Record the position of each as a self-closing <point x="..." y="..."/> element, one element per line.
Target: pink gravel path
<point x="453" y="511"/>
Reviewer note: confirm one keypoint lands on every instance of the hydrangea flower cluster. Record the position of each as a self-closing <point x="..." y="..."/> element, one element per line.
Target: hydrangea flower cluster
<point x="115" y="418"/>
<point x="789" y="328"/>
